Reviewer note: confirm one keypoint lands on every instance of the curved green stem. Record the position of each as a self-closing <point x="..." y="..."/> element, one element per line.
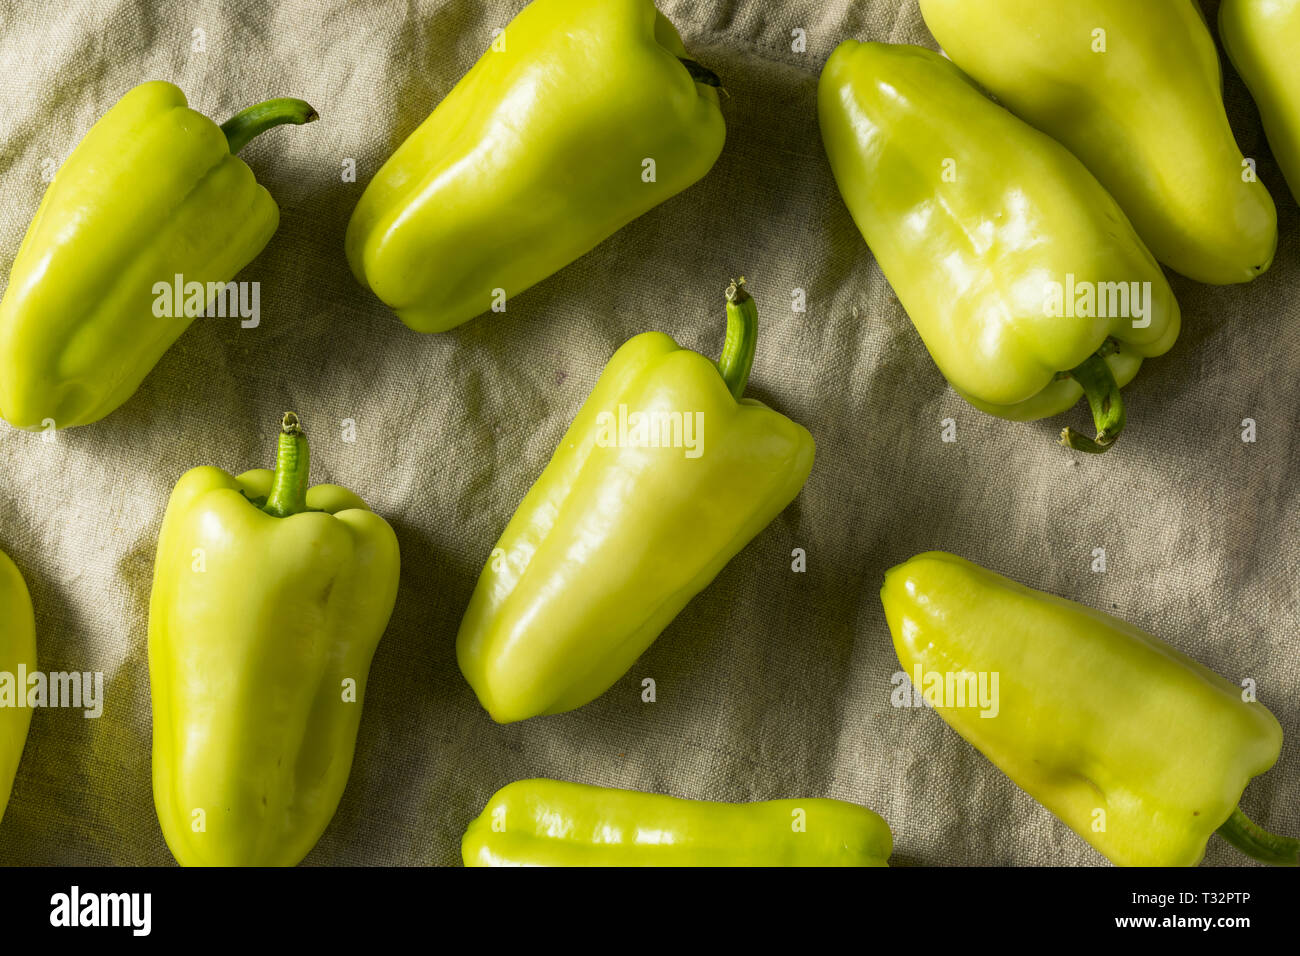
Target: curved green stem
<point x="1257" y="843"/>
<point x="255" y="120"/>
<point x="1106" y="403"/>
<point x="1109" y="347"/>
<point x="700" y="74"/>
<point x="742" y="338"/>
<point x="292" y="464"/>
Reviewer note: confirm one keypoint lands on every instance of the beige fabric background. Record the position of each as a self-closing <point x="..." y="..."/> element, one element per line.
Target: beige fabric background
<point x="771" y="683"/>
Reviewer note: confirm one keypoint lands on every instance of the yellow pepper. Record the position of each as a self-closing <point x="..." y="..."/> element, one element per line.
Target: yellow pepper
<point x="665" y="474"/>
<point x="582" y="115"/>
<point x="1134" y="89"/>
<point x="1026" y="282"/>
<point x="17" y="654"/>
<point x="1262" y="38"/>
<point x="1136" y="747"/>
<point x="269" y="599"/>
<point x="553" y="823"/>
<point x="153" y="191"/>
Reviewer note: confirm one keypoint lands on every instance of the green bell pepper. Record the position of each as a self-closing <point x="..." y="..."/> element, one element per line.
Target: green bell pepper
<point x="1134" y="90"/>
<point x="583" y="115"/>
<point x="269" y="600"/>
<point x="663" y="476"/>
<point x="1262" y="38"/>
<point x="1136" y="747"/>
<point x="552" y="823"/>
<point x="153" y="192"/>
<point x="984" y="226"/>
<point x="17" y="652"/>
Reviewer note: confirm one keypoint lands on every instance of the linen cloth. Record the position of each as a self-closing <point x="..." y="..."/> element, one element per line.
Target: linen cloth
<point x="771" y="683"/>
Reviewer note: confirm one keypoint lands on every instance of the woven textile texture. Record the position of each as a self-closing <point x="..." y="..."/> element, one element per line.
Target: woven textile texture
<point x="771" y="683"/>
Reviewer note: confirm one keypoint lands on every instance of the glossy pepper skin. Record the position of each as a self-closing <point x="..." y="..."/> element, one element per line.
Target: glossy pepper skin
<point x="268" y="602"/>
<point x="1262" y="38"/>
<point x="1146" y="116"/>
<point x="972" y="214"/>
<point x="17" y="649"/>
<point x="151" y="192"/>
<point x="534" y="158"/>
<point x="1093" y="714"/>
<point x="615" y="537"/>
<point x="552" y="823"/>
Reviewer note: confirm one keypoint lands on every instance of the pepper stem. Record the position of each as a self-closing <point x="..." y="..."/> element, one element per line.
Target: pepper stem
<point x="742" y="338"/>
<point x="701" y="74"/>
<point x="1257" y="843"/>
<point x="1105" y="401"/>
<point x="292" y="464"/>
<point x="255" y="120"/>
